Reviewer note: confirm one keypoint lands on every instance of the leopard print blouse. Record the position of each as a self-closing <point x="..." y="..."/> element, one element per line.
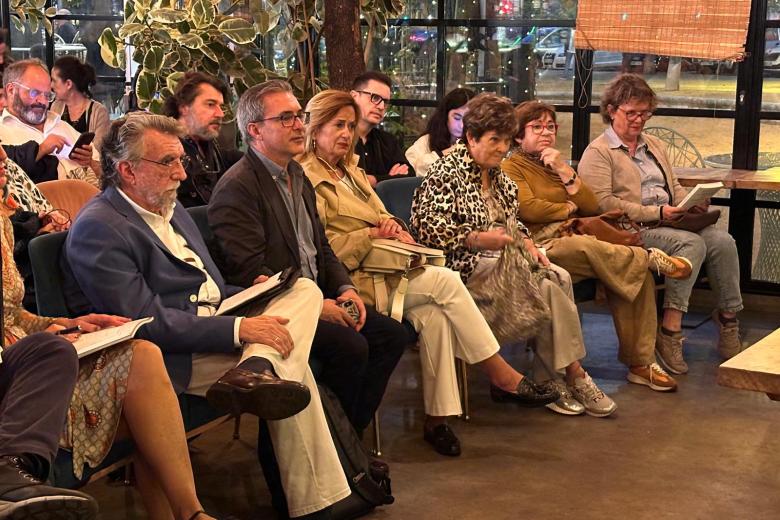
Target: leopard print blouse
<point x="448" y="206"/>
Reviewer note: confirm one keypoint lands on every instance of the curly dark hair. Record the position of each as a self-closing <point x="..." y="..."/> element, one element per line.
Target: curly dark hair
<point x="438" y="132"/>
<point x="187" y="90"/>
<point x="490" y="112"/>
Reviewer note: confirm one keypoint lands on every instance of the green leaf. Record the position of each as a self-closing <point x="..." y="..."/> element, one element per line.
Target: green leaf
<point x="168" y="15"/>
<point x="38" y="4"/>
<point x="34" y="23"/>
<point x="191" y="40"/>
<point x="48" y="26"/>
<point x="50" y="11"/>
<point x="108" y="48"/>
<point x="170" y="60"/>
<point x="316" y="24"/>
<point x="203" y="13"/>
<point x="153" y="60"/>
<point x="238" y="30"/>
<point x="265" y="21"/>
<point x="240" y="87"/>
<point x="162" y="36"/>
<point x="209" y="53"/>
<point x="173" y="79"/>
<point x="184" y="56"/>
<point x="255" y="72"/>
<point x="18" y="24"/>
<point x="145" y="87"/>
<point x="130" y="29"/>
<point x="155" y="107"/>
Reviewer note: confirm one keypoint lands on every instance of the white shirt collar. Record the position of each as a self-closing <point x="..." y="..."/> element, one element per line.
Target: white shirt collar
<point x="149" y="217"/>
<point x="52" y="119"/>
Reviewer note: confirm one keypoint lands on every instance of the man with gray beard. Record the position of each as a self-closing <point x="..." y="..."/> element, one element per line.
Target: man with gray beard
<point x="197" y="103"/>
<point x="26" y="118"/>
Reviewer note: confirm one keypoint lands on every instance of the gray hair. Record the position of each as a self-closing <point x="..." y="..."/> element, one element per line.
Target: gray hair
<point x="250" y="106"/>
<point x="125" y="142"/>
<point x="14" y="72"/>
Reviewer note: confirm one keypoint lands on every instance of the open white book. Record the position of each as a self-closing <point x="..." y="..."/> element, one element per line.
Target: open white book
<point x="699" y="194"/>
<point x="249" y="294"/>
<point x="92" y="342"/>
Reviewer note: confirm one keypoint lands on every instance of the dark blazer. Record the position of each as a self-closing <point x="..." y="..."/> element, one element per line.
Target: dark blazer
<point x="114" y="263"/>
<point x="254" y="231"/>
<point x="196" y="189"/>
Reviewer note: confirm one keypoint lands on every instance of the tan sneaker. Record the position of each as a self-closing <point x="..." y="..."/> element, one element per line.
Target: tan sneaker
<point x="669" y="351"/>
<point x="729" y="342"/>
<point x="653" y="376"/>
<point x="677" y="267"/>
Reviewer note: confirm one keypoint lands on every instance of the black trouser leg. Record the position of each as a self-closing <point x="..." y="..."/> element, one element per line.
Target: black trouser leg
<point x="387" y="340"/>
<point x="37" y="377"/>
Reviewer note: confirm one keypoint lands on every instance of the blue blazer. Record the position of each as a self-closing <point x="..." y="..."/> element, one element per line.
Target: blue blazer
<point x="114" y="263"/>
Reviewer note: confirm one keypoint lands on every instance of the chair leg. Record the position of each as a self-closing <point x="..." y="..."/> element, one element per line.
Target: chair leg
<point x="377" y="449"/>
<point x="237" y="427"/>
<point x="461" y="370"/>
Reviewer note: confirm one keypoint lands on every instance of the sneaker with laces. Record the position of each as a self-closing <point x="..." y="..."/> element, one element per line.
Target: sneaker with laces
<point x="566" y="403"/>
<point x="669" y="351"/>
<point x="596" y="402"/>
<point x="677" y="267"/>
<point x="653" y="376"/>
<point x="729" y="342"/>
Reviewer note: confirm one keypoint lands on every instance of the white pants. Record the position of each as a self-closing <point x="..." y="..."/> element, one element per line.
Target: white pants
<point x="311" y="473"/>
<point x="450" y="325"/>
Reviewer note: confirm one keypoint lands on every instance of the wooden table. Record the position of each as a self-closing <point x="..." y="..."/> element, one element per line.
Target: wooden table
<point x="756" y="368"/>
<point x="731" y="179"/>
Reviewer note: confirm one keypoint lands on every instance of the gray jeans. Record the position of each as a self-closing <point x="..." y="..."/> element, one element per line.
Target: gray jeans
<point x="710" y="246"/>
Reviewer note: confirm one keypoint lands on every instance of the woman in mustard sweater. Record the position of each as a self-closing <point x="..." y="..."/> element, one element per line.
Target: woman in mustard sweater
<point x="550" y="193"/>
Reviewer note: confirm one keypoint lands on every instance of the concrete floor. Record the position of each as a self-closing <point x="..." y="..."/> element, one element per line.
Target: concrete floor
<point x="704" y="452"/>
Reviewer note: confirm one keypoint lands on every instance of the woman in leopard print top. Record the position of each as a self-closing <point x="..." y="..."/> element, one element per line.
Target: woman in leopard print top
<point x="462" y="207"/>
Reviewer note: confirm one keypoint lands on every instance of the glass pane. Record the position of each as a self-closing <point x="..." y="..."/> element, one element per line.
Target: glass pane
<point x="85" y="46"/>
<point x="773" y="10"/>
<point x="92" y="7"/>
<point x="418" y="10"/>
<point x="408" y="122"/>
<point x="563" y="139"/>
<point x="503" y="9"/>
<point x="111" y="95"/>
<point x="491" y="59"/>
<point x="27" y="44"/>
<point x="408" y="55"/>
<point x="678" y="82"/>
<point x="770" y="99"/>
<point x="768" y="153"/>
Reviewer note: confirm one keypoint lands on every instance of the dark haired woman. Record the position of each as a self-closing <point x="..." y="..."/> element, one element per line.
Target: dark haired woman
<point x="71" y="80"/>
<point x="444" y="128"/>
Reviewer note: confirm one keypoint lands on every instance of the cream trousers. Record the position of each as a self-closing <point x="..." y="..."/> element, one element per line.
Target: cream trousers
<point x="450" y="325"/>
<point x="311" y="473"/>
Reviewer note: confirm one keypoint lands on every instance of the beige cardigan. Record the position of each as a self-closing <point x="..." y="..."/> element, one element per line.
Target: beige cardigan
<point x="615" y="180"/>
<point x="99" y="121"/>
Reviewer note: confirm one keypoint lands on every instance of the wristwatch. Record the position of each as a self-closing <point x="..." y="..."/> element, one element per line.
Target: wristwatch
<point x="571" y="181"/>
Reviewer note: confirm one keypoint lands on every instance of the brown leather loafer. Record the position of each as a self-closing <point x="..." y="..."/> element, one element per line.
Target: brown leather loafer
<point x="261" y="394"/>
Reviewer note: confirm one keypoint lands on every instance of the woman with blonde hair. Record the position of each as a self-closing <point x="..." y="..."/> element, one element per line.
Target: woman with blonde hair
<point x="436" y="302"/>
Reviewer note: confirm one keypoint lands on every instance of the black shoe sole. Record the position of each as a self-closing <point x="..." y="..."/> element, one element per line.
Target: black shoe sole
<point x="49" y="508"/>
<point x="273" y="401"/>
<point x="442" y="450"/>
<point x="508" y="397"/>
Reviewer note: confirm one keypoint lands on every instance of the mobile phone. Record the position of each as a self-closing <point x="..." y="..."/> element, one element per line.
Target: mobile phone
<point x="84" y="139"/>
<point x="351" y="309"/>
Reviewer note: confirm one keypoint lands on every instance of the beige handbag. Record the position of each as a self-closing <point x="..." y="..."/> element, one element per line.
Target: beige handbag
<point x="391" y="257"/>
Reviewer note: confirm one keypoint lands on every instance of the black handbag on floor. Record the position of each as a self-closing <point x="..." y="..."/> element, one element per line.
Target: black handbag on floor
<point x="368" y="477"/>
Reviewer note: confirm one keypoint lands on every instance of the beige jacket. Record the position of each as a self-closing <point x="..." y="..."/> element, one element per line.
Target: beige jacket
<point x="614" y="178"/>
<point x="347" y="219"/>
<point x="99" y="120"/>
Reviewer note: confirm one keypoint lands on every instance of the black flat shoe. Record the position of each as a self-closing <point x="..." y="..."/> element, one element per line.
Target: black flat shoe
<point x="529" y="394"/>
<point x="443" y="440"/>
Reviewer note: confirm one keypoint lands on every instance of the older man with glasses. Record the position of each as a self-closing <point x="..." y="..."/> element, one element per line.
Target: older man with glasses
<point x="27" y="118"/>
<point x="379" y="152"/>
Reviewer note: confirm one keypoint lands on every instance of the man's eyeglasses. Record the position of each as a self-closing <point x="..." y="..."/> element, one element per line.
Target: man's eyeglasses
<point x="35" y="93"/>
<point x="633" y="115"/>
<point x="288" y="118"/>
<point x="375" y="98"/>
<point x="184" y="160"/>
<point x="538" y="128"/>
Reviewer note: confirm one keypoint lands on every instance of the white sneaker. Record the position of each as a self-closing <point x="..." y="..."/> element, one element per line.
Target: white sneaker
<point x="596" y="402"/>
<point x="566" y="403"/>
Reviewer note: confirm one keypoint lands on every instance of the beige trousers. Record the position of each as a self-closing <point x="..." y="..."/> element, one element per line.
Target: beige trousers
<point x="311" y="473"/>
<point x="450" y="325"/>
<point x="629" y="286"/>
<point x="560" y="342"/>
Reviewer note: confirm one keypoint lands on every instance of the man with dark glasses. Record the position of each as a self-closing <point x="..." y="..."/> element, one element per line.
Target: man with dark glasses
<point x="379" y="151"/>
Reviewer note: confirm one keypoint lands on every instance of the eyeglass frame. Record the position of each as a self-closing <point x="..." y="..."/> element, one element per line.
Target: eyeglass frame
<point x="184" y="160"/>
<point x="50" y="97"/>
<point x="543" y="128"/>
<point x="645" y="115"/>
<point x="373" y="95"/>
<point x="302" y="116"/>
